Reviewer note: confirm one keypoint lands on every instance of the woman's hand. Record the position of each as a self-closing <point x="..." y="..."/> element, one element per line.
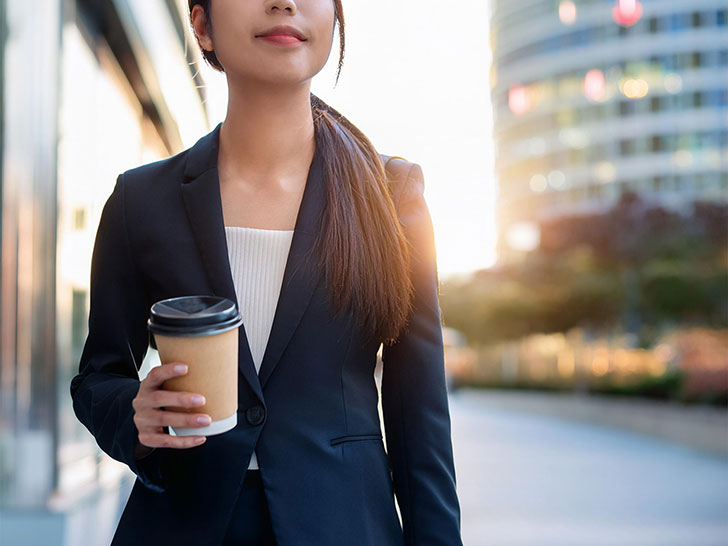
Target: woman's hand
<point x="149" y="419"/>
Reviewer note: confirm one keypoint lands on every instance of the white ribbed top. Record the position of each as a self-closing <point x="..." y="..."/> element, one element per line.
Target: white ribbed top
<point x="257" y="260"/>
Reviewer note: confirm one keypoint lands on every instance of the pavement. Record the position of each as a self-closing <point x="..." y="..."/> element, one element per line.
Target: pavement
<point x="541" y="469"/>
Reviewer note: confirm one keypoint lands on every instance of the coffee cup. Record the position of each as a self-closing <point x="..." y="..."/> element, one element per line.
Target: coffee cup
<point x="202" y="332"/>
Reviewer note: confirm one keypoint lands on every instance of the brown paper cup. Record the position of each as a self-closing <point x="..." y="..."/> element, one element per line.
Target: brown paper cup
<point x="202" y="332"/>
<point x="212" y="363"/>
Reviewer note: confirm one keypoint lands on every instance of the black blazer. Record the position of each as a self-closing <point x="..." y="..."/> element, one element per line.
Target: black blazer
<point x="311" y="413"/>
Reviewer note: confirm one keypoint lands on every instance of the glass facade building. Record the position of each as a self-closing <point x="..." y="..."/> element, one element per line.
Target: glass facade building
<point x="593" y="98"/>
<point x="88" y="90"/>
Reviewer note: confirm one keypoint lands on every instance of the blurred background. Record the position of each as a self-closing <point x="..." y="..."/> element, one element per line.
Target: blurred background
<point x="576" y="164"/>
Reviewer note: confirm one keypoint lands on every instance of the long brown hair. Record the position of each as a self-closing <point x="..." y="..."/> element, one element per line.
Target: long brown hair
<point x="365" y="254"/>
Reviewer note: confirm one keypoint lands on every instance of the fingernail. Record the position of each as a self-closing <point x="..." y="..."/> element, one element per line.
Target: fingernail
<point x="199" y="439"/>
<point x="198" y="399"/>
<point x="179" y="368"/>
<point x="203" y="420"/>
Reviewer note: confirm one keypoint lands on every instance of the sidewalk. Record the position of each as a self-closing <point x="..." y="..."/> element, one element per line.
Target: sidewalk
<point x="703" y="428"/>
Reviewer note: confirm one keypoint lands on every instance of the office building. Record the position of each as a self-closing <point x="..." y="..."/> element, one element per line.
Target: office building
<point x="594" y="98"/>
<point x="88" y="89"/>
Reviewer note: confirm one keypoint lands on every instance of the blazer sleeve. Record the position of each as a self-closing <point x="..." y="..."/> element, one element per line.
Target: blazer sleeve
<point x="117" y="341"/>
<point x="414" y="393"/>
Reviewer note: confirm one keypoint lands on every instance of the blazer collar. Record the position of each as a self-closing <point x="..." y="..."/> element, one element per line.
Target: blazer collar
<point x="201" y="194"/>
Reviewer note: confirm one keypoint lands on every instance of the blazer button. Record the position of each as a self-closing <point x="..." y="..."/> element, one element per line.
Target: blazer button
<point x="255" y="415"/>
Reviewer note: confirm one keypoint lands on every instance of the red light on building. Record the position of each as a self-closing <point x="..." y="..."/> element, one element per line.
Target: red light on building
<point x="594" y="84"/>
<point x="627" y="12"/>
<point x="518" y="100"/>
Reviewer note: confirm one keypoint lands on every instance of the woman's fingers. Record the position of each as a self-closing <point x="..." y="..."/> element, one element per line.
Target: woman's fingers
<point x="159" y="374"/>
<point x="151" y="395"/>
<point x="155" y="437"/>
<point x="149" y="418"/>
<point x="165" y="399"/>
<point x="158" y="418"/>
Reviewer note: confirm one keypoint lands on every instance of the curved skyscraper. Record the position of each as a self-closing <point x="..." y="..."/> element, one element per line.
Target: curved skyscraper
<point x="593" y="98"/>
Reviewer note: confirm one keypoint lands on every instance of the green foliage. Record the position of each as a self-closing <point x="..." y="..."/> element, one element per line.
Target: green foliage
<point x="667" y="386"/>
<point x="682" y="291"/>
<point x="636" y="266"/>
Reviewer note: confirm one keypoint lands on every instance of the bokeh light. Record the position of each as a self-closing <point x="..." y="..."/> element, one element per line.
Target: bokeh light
<point x="567" y="12"/>
<point x="627" y="12"/>
<point x="518" y="99"/>
<point x="594" y="86"/>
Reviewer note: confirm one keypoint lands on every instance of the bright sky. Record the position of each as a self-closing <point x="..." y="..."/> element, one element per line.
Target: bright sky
<point x="415" y="81"/>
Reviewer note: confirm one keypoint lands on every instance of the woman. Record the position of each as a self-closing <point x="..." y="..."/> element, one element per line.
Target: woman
<point x="327" y="247"/>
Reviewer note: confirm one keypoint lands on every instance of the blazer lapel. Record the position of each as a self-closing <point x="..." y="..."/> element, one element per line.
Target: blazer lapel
<point x="203" y="203"/>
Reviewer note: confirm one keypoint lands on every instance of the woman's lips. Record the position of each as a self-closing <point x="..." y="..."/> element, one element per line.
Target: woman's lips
<point x="282" y="39"/>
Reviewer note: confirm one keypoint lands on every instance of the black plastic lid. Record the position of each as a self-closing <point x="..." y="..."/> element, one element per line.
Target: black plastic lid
<point x="194" y="316"/>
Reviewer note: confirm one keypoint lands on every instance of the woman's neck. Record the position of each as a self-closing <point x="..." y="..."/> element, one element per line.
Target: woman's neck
<point x="267" y="133"/>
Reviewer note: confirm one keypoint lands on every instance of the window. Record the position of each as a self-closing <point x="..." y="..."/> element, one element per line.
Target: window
<point x="670" y="62"/>
<point x="684" y="60"/>
<point x="79" y="325"/>
<point x="627" y="147"/>
<point x="707" y="18"/>
<point x="573" y="195"/>
<point x="686" y="141"/>
<point x="626" y="186"/>
<point x="596" y="152"/>
<point x="698" y="182"/>
<point x="677" y="22"/>
<point x="626" y="108"/>
<point x="716" y="97"/>
<point x="594" y="191"/>
<point x="657" y="143"/>
<point x="707" y="140"/>
<point x="686" y="100"/>
<point x="79" y="218"/>
<point x="576" y="156"/>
